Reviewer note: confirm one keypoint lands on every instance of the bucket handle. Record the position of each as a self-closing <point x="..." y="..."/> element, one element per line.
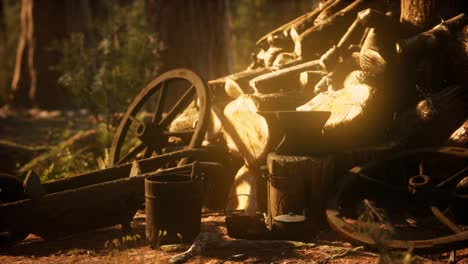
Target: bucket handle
<point x="235" y="196"/>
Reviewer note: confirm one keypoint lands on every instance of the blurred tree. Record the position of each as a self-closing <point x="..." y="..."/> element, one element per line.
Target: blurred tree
<point x="24" y="77"/>
<point x="3" y="43"/>
<point x="106" y="64"/>
<point x="194" y="34"/>
<point x="251" y="19"/>
<point x="34" y="83"/>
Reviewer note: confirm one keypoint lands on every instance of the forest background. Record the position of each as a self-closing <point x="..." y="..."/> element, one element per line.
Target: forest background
<point x="94" y="57"/>
<point x="74" y="50"/>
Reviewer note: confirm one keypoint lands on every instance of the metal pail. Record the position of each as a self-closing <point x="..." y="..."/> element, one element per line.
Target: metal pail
<point x="173" y="209"/>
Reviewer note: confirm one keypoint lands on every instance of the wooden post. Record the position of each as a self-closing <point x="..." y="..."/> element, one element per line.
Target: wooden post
<point x="299" y="184"/>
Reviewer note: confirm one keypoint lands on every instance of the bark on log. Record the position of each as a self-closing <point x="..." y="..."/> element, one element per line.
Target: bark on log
<point x="335" y="79"/>
<point x="358" y="112"/>
<point x="247" y="131"/>
<point x="282" y="101"/>
<point x="433" y="120"/>
<point x="459" y="137"/>
<point x="238" y="83"/>
<point x="244" y="194"/>
<point x="330" y="10"/>
<point x="428" y="40"/>
<point x="419" y="14"/>
<point x="286" y="79"/>
<point x="318" y="38"/>
<point x="301" y="23"/>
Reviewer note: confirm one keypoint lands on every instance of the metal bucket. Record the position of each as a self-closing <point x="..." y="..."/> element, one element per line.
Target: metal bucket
<point x="173" y="209"/>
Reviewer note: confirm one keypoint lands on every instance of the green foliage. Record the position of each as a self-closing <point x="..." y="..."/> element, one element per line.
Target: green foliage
<point x="106" y="74"/>
<point x="75" y="159"/>
<point x="374" y="222"/>
<point x="125" y="242"/>
<point x="161" y="235"/>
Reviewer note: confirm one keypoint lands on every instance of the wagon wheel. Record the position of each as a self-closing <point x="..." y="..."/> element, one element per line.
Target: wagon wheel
<point x="11" y="189"/>
<point x="156" y="123"/>
<point x="426" y="214"/>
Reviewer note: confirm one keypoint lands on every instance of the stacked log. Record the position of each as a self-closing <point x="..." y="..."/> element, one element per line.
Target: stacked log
<point x="355" y="59"/>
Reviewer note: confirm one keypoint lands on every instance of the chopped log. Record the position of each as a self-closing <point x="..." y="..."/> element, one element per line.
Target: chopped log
<point x="356" y="113"/>
<point x="309" y="79"/>
<point x="317" y="38"/>
<point x="244" y="190"/>
<point x="300" y="24"/>
<point x="282" y="101"/>
<point x="429" y="39"/>
<point x="238" y="83"/>
<point x="268" y="56"/>
<point x="247" y="132"/>
<point x="371" y="59"/>
<point x="434" y="119"/>
<point x="283" y="58"/>
<point x="335" y="79"/>
<point x="286" y="79"/>
<point x="333" y="8"/>
<point x="459" y="137"/>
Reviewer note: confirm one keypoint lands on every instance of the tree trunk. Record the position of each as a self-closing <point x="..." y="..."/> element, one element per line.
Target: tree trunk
<point x="51" y="21"/>
<point x="420" y="14"/>
<point x="24" y="75"/>
<point x="3" y="47"/>
<point x="34" y="82"/>
<point x="194" y="35"/>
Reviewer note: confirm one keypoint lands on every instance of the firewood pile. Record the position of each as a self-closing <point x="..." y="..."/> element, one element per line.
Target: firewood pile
<point x="387" y="72"/>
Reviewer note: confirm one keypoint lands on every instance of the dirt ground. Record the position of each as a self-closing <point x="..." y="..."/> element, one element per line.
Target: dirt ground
<point x="97" y="246"/>
<point x="91" y="247"/>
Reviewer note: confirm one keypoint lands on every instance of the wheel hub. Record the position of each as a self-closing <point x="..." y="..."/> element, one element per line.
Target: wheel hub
<point x="151" y="134"/>
<point x="419" y="183"/>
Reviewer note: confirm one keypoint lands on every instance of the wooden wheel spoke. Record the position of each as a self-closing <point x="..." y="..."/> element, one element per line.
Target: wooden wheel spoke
<point x="135" y="120"/>
<point x="445" y="220"/>
<point x="380" y="183"/>
<point x="132" y="153"/>
<point x="160" y="102"/>
<point x="454" y="179"/>
<point x="154" y="97"/>
<point x="183" y="135"/>
<point x="183" y="102"/>
<point x="148" y="152"/>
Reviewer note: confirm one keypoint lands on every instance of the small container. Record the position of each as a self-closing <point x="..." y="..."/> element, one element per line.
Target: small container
<point x="289" y="226"/>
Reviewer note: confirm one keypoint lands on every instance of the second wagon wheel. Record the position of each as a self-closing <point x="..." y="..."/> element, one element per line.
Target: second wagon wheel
<point x="412" y="200"/>
<point x="169" y="114"/>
